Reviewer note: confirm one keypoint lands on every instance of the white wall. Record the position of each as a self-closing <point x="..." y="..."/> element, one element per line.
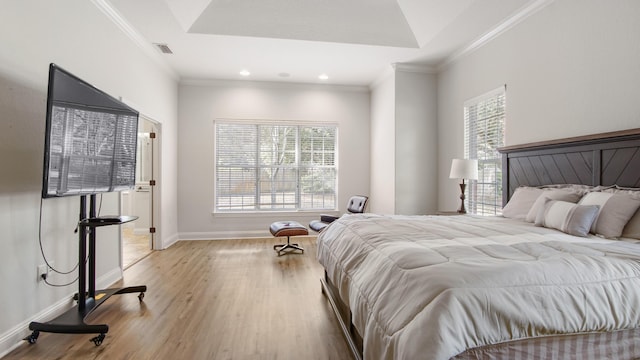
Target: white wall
<point x="76" y="35"/>
<point x="383" y="144"/>
<point x="416" y="143"/>
<point x="201" y="103"/>
<point x="571" y="69"/>
<point x="404" y="143"/>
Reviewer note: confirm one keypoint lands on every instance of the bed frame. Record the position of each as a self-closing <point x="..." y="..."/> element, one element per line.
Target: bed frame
<point x="611" y="158"/>
<point x="604" y="159"/>
<point x="343" y="315"/>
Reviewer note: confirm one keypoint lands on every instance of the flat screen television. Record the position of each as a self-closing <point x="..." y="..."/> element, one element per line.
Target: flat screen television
<point x="90" y="139"/>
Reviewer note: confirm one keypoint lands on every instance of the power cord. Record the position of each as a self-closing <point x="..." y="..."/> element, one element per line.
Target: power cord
<point x="44" y="278"/>
<point x="44" y="257"/>
<point x="46" y="261"/>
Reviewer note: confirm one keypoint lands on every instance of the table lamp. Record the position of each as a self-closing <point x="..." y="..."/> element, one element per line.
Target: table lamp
<point x="463" y="169"/>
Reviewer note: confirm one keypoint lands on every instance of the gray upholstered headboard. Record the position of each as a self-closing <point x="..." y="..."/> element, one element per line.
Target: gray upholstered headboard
<point x="601" y="159"/>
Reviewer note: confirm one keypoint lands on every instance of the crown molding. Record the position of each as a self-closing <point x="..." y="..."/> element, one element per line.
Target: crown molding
<point x="115" y="16"/>
<point x="407" y="67"/>
<point x="386" y="73"/>
<point x="271" y="84"/>
<point x="392" y="68"/>
<point x="498" y="30"/>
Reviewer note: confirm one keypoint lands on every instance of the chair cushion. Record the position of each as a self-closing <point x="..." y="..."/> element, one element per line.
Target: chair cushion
<point x="328" y="218"/>
<point x="357" y="204"/>
<point x="287" y="228"/>
<point x="317" y="225"/>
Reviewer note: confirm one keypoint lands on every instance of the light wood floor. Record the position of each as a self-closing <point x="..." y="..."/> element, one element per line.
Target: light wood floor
<point x="230" y="299"/>
<point x="134" y="247"/>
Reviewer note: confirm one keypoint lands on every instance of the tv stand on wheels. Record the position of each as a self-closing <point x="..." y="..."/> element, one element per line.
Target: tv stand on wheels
<point x="72" y="321"/>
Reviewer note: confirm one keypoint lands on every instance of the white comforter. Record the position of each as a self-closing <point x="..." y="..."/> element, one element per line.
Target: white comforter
<point x="430" y="287"/>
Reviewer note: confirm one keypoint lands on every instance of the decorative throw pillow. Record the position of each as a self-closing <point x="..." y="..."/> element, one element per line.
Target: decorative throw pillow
<point x="521" y="202"/>
<point x="632" y="228"/>
<point x="615" y="212"/>
<point x="564" y="194"/>
<point x="567" y="217"/>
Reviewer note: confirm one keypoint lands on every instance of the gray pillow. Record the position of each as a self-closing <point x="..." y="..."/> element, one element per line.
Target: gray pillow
<point x="567" y="217"/>
<point x="632" y="228"/>
<point x="521" y="202"/>
<point x="615" y="212"/>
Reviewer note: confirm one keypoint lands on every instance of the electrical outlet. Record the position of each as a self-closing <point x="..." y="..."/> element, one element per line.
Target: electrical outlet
<point x="42" y="270"/>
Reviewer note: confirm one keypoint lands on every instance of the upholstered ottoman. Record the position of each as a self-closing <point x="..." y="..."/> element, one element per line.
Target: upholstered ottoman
<point x="288" y="229"/>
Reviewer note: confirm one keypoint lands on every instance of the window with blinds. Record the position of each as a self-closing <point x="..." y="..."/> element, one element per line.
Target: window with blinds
<point x="267" y="167"/>
<point x="484" y="124"/>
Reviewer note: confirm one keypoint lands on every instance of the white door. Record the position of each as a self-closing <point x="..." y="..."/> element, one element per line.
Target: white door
<point x="137" y="236"/>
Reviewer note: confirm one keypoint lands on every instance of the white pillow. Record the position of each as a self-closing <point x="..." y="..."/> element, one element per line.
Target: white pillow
<point x="565" y="194"/>
<point x="567" y="217"/>
<point x="521" y="202"/>
<point x="615" y="212"/>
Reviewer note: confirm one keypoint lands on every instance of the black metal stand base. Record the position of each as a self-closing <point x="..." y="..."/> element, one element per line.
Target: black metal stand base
<point x="72" y="321"/>
<point x="280" y="249"/>
<point x="88" y="298"/>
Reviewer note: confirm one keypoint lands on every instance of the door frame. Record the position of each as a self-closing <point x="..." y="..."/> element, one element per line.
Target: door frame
<point x="154" y="198"/>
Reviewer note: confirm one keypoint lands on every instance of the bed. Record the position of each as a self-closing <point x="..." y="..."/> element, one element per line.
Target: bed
<point x="526" y="285"/>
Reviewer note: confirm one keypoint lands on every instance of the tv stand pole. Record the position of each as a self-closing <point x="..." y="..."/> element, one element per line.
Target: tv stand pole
<point x="72" y="321"/>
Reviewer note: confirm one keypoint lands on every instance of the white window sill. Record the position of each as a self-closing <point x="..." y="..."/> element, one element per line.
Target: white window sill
<point x="272" y="214"/>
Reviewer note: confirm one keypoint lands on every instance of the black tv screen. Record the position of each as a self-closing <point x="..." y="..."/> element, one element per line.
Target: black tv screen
<point x="90" y="139"/>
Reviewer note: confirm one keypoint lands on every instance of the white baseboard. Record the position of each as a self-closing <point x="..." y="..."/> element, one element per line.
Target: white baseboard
<point x="13" y="338"/>
<point x="166" y="243"/>
<point x="223" y="235"/>
<point x="107" y="280"/>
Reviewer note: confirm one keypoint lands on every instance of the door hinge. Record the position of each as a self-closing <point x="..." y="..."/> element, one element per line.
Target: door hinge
<point x="152" y="135"/>
<point x="152" y="183"/>
<point x="152" y="230"/>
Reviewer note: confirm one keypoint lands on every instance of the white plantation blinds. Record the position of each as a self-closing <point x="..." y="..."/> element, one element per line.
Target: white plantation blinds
<point x="484" y="124"/>
<point x="275" y="167"/>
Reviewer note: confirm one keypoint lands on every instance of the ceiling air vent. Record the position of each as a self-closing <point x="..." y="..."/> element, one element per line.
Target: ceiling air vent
<point x="164" y="48"/>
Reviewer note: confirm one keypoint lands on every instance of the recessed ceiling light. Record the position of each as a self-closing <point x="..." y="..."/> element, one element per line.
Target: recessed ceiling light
<point x="245" y="73"/>
<point x="323" y="77"/>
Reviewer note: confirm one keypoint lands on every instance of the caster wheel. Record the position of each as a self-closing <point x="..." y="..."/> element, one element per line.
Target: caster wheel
<point x="98" y="339"/>
<point x="76" y="296"/>
<point x="31" y="339"/>
<point x="141" y="296"/>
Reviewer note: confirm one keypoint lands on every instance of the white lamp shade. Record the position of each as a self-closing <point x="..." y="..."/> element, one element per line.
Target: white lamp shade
<point x="464" y="169"/>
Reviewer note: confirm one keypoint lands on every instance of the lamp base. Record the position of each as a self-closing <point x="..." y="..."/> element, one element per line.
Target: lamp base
<point x="462" y="210"/>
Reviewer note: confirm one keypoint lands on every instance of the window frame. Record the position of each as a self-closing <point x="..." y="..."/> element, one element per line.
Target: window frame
<point x="256" y="210"/>
<point x="476" y="187"/>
